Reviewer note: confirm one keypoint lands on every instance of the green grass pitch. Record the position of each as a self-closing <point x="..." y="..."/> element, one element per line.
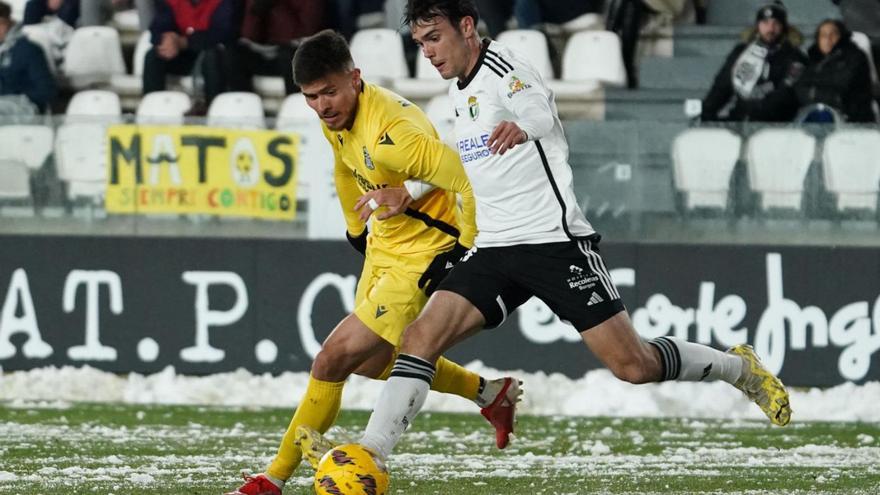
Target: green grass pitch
<point x="129" y="449"/>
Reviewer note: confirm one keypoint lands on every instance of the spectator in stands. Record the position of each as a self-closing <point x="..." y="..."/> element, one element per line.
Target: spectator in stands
<point x="626" y="18"/>
<point x="344" y="14"/>
<point x="756" y="82"/>
<point x="188" y="38"/>
<point x="66" y="10"/>
<point x="530" y="14"/>
<point x="837" y="74"/>
<point x="26" y="84"/>
<point x="864" y="16"/>
<point x="270" y="33"/>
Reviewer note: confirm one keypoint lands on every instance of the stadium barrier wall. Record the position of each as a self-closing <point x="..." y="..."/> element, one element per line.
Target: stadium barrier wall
<point x="140" y="304"/>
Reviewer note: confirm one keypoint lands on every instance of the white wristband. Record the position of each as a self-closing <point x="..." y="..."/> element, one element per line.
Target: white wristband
<point x="373" y="204"/>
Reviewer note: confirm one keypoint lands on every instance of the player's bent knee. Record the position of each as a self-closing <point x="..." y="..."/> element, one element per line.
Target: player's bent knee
<point x="330" y="366"/>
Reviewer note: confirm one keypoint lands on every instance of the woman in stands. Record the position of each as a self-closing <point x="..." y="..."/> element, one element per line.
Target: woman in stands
<point x="837" y="74"/>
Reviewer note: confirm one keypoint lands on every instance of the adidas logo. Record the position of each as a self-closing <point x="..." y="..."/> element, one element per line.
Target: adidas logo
<point x="576" y="269"/>
<point x="706" y="372"/>
<point x="449" y="265"/>
<point x="594" y="299"/>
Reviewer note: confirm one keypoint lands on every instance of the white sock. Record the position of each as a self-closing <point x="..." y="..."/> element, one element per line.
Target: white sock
<point x="689" y="362"/>
<point x="400" y="401"/>
<point x="275" y="481"/>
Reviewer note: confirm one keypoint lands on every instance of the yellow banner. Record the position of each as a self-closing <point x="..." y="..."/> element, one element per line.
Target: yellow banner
<point x="196" y="169"/>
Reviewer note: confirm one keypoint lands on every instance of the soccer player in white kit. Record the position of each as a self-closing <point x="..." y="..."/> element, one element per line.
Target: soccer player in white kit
<point x="533" y="239"/>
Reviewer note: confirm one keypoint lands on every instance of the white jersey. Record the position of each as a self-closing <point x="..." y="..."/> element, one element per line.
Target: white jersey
<point x="524" y="196"/>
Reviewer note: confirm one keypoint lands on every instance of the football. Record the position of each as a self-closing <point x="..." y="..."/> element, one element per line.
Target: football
<point x="351" y="470"/>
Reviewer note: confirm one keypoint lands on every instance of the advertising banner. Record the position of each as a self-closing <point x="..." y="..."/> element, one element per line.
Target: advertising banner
<point x="203" y="170"/>
<point x="210" y="305"/>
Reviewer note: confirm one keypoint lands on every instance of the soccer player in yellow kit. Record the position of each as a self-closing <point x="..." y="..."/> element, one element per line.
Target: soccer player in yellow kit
<point x="381" y="141"/>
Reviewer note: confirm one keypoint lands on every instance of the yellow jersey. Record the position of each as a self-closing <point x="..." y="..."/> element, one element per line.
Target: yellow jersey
<point x="390" y="141"/>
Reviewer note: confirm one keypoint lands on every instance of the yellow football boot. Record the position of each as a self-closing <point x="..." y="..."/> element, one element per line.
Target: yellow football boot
<point x="762" y="387"/>
<point x="313" y="444"/>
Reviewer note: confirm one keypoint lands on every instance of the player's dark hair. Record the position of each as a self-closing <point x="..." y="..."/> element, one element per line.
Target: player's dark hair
<point x="454" y="10"/>
<point x="320" y="55"/>
<point x="5" y="11"/>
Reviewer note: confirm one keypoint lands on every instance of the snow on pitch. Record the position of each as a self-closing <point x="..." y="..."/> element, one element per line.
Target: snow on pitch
<point x="597" y="393"/>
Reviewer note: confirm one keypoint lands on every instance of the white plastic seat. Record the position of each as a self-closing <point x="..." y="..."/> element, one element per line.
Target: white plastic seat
<point x="163" y="107"/>
<point x="851" y="165"/>
<point x="441" y="113"/>
<point x="531" y="45"/>
<point x="38" y="34"/>
<point x="132" y="84"/>
<point x="378" y="53"/>
<point x="17" y="7"/>
<point x="81" y="142"/>
<point x="293" y="111"/>
<point x="14" y="180"/>
<point x="703" y="163"/>
<point x="427" y="83"/>
<point x="127" y="20"/>
<point x="81" y="159"/>
<point x="94" y="105"/>
<point x="239" y="110"/>
<point x="92" y="56"/>
<point x="591" y="58"/>
<point x="778" y="162"/>
<point x="27" y="145"/>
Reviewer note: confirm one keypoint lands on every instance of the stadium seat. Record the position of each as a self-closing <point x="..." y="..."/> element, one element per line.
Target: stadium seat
<point x="294" y="109"/>
<point x="441" y="113"/>
<point x="81" y="159"/>
<point x="530" y="45"/>
<point x="128" y="85"/>
<point x="127" y="20"/>
<point x="163" y="107"/>
<point x="27" y="145"/>
<point x="39" y="35"/>
<point x="17" y="7"/>
<point x="851" y="165"/>
<point x="591" y="59"/>
<point x="237" y="110"/>
<point x="427" y="83"/>
<point x="379" y="54"/>
<point x="778" y="162"/>
<point x="703" y="163"/>
<point x="81" y="142"/>
<point x="93" y="56"/>
<point x="94" y="105"/>
<point x="14" y="180"/>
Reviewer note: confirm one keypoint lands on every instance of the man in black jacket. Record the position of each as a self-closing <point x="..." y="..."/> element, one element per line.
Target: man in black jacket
<point x="756" y="81"/>
<point x="26" y="84"/>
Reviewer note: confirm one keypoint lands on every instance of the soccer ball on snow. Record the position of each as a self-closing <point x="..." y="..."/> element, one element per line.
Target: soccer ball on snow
<point x="351" y="470"/>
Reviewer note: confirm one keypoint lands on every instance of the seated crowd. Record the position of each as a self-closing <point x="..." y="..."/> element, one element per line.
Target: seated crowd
<point x="767" y="78"/>
<point x="224" y="43"/>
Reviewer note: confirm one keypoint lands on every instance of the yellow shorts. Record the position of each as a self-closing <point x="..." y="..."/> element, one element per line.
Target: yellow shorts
<point x="388" y="297"/>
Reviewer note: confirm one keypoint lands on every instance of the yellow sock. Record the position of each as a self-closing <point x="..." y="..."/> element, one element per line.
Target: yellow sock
<point x="452" y="378"/>
<point x="449" y="378"/>
<point x="318" y="409"/>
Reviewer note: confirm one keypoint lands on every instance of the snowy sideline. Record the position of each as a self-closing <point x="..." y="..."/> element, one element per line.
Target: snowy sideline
<point x="598" y="393"/>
